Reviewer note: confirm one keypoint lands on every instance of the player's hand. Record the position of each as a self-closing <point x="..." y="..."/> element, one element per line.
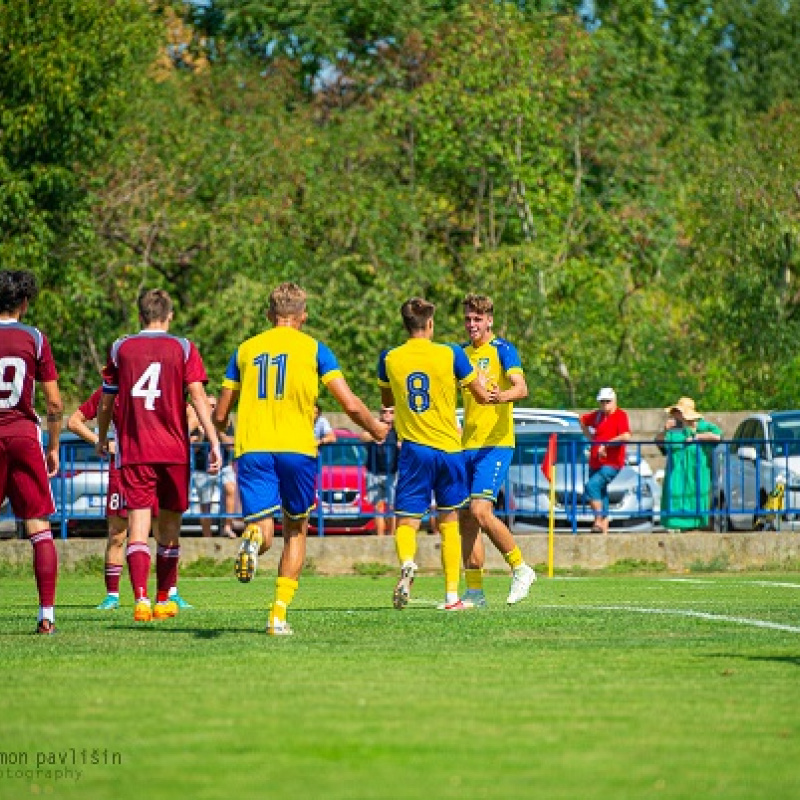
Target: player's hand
<point x="102" y="449"/>
<point x="214" y="460"/>
<point x="494" y="395"/>
<point x="381" y="432"/>
<point x="51" y="459"/>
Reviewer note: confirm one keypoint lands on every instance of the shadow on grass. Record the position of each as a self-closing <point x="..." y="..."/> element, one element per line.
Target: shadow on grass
<point x="199" y="633"/>
<point x="791" y="660"/>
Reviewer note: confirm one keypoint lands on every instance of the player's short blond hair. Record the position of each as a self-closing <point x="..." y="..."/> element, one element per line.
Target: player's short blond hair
<point x="155" y="305"/>
<point x="416" y="312"/>
<point x="479" y="304"/>
<point x="287" y="300"/>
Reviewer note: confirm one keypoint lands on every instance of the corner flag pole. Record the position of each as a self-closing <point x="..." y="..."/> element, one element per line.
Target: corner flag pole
<point x="549" y="470"/>
<point x="551" y="524"/>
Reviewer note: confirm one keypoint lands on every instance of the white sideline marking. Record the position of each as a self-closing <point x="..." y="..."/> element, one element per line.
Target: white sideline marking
<point x="772" y="583"/>
<point x="685" y="580"/>
<point x="756" y="623"/>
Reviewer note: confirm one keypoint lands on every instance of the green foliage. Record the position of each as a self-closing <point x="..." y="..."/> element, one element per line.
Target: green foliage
<point x="373" y="569"/>
<point x="621" y="185"/>
<point x="635" y="565"/>
<point x="207" y="567"/>
<point x="718" y="563"/>
<point x="91" y="565"/>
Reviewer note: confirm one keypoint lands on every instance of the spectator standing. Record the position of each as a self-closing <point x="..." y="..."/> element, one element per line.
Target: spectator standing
<point x="25" y="469"/>
<point x="382" y="473"/>
<point x="323" y="430"/>
<point x="207" y="484"/>
<point x="149" y="374"/>
<point x="608" y="428"/>
<point x="688" y="440"/>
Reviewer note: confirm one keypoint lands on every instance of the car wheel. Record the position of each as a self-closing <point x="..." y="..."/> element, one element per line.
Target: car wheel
<point x="722" y="522"/>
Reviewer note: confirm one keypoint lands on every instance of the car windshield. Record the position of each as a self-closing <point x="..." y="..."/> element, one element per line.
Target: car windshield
<point x="786" y="432"/>
<point x="342" y="454"/>
<point x="570" y="447"/>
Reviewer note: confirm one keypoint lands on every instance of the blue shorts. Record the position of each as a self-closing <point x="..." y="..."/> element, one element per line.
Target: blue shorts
<point x="486" y="470"/>
<point x="271" y="481"/>
<point x="424" y="470"/>
<point x="596" y="487"/>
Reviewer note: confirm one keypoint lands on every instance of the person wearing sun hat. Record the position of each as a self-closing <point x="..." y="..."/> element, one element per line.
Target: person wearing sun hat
<point x="688" y="440"/>
<point x="609" y="429"/>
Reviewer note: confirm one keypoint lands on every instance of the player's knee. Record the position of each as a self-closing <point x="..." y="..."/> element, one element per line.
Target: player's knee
<point x="483" y="513"/>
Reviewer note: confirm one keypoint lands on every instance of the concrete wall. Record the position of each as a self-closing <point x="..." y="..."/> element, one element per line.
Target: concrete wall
<point x="337" y="555"/>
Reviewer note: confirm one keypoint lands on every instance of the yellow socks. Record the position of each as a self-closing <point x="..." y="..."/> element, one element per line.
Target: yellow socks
<point x="451" y="556"/>
<point x="405" y="542"/>
<point x="474" y="579"/>
<point x="514" y="558"/>
<point x="284" y="593"/>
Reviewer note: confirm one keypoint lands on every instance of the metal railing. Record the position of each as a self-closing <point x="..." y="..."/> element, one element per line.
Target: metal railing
<point x="729" y="485"/>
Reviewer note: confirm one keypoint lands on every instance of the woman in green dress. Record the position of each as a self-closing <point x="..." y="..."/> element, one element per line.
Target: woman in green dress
<point x="688" y="441"/>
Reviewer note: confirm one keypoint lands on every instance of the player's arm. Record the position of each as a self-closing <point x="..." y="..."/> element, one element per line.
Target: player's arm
<point x="225" y="402"/>
<point x="193" y="421"/>
<point x="55" y="417"/>
<point x="354" y="407"/>
<point x="199" y="400"/>
<point x="104" y="413"/>
<point x="77" y="425"/>
<point x="481" y="394"/>
<point x="517" y="391"/>
<point x="468" y="378"/>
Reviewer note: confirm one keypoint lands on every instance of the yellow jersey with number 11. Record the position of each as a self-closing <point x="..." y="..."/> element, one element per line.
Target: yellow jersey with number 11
<point x="277" y="375"/>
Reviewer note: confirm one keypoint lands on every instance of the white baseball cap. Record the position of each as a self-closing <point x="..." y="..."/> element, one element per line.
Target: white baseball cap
<point x="606" y="393"/>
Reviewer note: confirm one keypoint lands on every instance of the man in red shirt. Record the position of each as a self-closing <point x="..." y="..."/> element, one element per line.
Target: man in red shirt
<point x="608" y="428"/>
<point x="25" y="469"/>
<point x="150" y="373"/>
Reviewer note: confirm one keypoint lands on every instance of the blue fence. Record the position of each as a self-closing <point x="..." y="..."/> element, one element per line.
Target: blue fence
<point x="733" y="485"/>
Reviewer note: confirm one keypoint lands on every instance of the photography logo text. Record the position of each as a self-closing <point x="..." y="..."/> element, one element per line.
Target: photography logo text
<point x="68" y="764"/>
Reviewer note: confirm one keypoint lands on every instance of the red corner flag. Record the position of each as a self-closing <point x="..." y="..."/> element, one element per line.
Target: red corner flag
<point x="549" y="461"/>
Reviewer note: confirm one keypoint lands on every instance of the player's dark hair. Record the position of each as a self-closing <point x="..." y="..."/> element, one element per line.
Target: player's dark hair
<point x="416" y="312"/>
<point x="478" y="304"/>
<point x="16" y="286"/>
<point x="155" y="305"/>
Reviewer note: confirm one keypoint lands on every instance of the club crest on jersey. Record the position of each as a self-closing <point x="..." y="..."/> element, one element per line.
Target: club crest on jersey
<point x="483" y="363"/>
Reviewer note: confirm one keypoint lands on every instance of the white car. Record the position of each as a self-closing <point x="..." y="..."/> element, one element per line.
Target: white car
<point x="633" y="494"/>
<point x="763" y="453"/>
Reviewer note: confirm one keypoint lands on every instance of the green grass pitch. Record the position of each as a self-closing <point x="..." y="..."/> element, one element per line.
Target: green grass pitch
<point x="599" y="687"/>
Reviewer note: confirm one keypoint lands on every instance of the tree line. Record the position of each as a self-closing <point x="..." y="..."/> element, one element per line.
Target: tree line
<point x="622" y="179"/>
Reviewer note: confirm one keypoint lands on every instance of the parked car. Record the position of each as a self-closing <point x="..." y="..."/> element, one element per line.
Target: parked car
<point x="632" y="501"/>
<point x="763" y="452"/>
<point x="342" y="487"/>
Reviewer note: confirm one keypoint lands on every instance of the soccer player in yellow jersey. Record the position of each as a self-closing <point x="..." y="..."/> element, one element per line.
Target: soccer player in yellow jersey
<point x="419" y="379"/>
<point x="275" y="376"/>
<point x="488" y="442"/>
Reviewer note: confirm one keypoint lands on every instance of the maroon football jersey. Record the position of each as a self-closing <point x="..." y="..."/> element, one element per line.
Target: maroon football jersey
<point x="149" y="372"/>
<point x="25" y="358"/>
<point x="90" y="408"/>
